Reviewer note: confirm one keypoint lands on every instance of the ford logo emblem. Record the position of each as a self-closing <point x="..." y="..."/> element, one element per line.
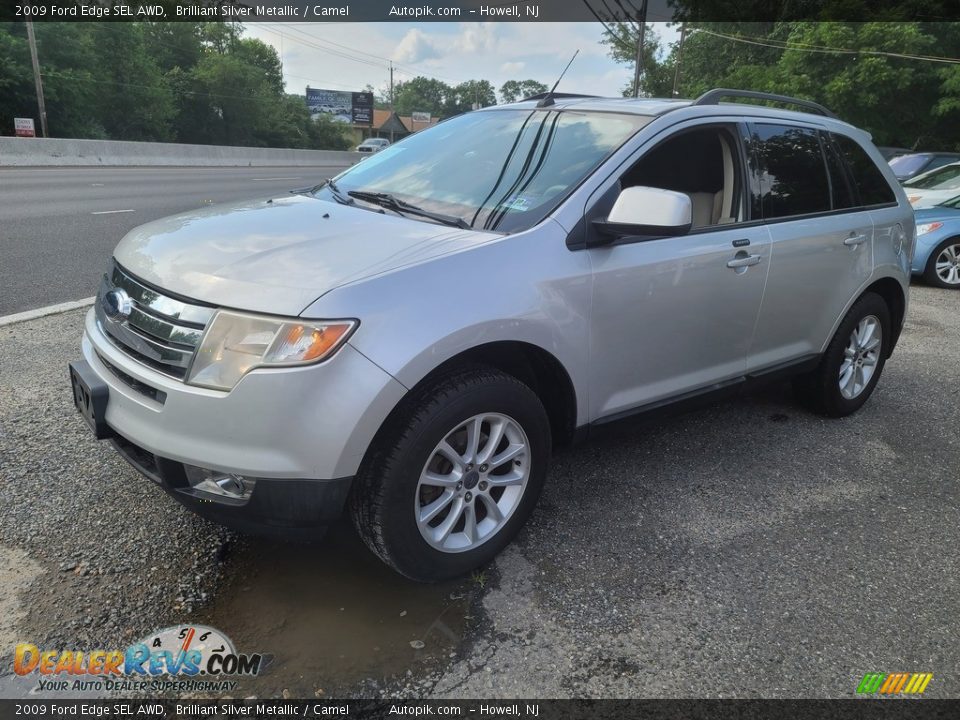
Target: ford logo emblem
<point x="116" y="304"/>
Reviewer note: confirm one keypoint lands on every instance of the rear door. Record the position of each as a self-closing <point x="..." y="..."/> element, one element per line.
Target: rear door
<point x="821" y="242"/>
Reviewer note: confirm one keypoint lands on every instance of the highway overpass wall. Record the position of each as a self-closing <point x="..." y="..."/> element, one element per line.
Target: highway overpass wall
<point x="33" y="152"/>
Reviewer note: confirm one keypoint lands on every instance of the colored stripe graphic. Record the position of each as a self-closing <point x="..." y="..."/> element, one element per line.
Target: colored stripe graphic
<point x="870" y="683"/>
<point x="894" y="683"/>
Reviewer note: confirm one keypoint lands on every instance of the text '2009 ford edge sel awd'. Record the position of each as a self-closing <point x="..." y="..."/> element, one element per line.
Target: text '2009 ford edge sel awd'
<point x="412" y="338"/>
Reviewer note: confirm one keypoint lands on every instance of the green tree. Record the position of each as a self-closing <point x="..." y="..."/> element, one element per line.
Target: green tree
<point x="856" y="69"/>
<point x="621" y="40"/>
<point x="134" y="101"/>
<point x="421" y="94"/>
<point x="514" y="90"/>
<point x="463" y="97"/>
<point x="17" y="97"/>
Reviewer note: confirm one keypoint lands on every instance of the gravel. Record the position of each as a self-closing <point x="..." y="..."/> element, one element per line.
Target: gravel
<point x="120" y="558"/>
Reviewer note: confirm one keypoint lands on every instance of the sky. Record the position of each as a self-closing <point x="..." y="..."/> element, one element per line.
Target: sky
<point x="349" y="56"/>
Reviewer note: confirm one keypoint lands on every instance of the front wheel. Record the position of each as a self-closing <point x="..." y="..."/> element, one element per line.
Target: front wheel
<point x="943" y="267"/>
<point x="851" y="366"/>
<point x="453" y="475"/>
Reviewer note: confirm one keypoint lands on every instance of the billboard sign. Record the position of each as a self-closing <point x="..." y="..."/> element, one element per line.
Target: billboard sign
<point x="362" y="108"/>
<point x="23" y="127"/>
<point x="421" y="117"/>
<point x="346" y="107"/>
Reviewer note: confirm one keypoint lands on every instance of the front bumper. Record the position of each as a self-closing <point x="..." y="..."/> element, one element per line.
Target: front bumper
<point x="301" y="432"/>
<point x="275" y="507"/>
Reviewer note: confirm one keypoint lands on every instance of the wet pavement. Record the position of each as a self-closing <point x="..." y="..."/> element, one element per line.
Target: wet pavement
<point x="334" y="617"/>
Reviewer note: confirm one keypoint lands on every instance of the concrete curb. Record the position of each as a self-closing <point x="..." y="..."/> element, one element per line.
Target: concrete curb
<point x="44" y="311"/>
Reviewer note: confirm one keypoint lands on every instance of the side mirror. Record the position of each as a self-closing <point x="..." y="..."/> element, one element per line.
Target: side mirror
<point x="645" y="211"/>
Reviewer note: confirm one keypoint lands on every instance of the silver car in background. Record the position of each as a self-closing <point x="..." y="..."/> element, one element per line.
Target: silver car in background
<point x="373" y="145"/>
<point x="413" y="338"/>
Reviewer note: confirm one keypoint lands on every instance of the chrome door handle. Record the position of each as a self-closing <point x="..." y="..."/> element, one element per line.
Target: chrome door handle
<point x="743" y="261"/>
<point x="855" y="240"/>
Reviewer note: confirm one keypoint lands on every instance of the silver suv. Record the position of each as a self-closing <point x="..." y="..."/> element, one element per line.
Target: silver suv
<point x="413" y="338"/>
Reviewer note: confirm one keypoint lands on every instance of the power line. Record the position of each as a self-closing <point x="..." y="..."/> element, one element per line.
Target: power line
<point x="822" y="49"/>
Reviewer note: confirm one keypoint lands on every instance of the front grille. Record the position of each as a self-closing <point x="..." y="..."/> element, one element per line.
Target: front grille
<point x="154" y="328"/>
<point x="151" y="392"/>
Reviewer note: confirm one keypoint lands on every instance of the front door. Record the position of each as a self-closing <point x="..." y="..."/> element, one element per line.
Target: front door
<point x="675" y="315"/>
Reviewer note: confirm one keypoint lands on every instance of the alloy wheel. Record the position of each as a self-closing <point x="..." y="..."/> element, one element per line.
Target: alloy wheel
<point x="472" y="482"/>
<point x="947" y="265"/>
<point x="860" y="357"/>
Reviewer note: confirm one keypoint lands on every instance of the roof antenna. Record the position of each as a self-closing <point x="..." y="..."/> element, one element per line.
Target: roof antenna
<point x="547" y="100"/>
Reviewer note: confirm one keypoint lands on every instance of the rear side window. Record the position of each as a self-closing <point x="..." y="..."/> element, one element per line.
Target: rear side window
<point x="872" y="186"/>
<point x="793" y="174"/>
<point x="842" y="195"/>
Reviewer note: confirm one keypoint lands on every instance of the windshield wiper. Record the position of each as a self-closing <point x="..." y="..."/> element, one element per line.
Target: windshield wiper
<point x="337" y="194"/>
<point x="334" y="190"/>
<point x="386" y="200"/>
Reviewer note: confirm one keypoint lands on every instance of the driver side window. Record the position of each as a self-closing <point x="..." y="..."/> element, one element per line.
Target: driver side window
<point x="705" y="164"/>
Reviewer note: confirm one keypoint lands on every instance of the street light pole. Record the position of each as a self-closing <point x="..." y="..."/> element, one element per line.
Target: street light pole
<point x="36" y="78"/>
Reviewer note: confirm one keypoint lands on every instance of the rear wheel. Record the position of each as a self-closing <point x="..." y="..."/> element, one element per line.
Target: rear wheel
<point x="453" y="475"/>
<point x="853" y="361"/>
<point x="943" y="267"/>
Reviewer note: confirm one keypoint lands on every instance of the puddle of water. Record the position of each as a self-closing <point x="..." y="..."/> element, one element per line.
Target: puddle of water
<point x="333" y="616"/>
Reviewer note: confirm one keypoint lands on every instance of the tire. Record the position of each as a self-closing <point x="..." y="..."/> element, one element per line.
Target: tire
<point x="392" y="493"/>
<point x="950" y="249"/>
<point x="821" y="390"/>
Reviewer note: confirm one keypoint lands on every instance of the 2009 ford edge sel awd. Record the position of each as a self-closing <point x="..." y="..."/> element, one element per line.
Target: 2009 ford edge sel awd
<point x="412" y="338"/>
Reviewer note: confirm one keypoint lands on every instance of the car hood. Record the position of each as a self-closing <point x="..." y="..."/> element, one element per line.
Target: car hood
<point x="278" y="256"/>
<point x="932" y="214"/>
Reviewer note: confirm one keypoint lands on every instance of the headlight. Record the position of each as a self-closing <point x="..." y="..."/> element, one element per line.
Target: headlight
<point x="235" y="343"/>
<point x="925" y="228"/>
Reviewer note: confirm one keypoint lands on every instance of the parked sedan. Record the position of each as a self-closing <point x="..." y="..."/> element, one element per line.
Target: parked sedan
<point x="934" y="187"/>
<point x="937" y="257"/>
<point x="910" y="165"/>
<point x="373" y="145"/>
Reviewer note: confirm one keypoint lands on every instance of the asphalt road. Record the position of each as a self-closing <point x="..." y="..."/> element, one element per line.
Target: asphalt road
<point x="58" y="226"/>
<point x="749" y="549"/>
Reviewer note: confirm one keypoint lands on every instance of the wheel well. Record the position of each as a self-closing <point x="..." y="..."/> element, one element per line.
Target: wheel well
<point x="891" y="292"/>
<point x="534" y="367"/>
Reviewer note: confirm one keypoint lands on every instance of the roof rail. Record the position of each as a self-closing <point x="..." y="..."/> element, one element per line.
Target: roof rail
<point x="713" y="97"/>
<point x="541" y="96"/>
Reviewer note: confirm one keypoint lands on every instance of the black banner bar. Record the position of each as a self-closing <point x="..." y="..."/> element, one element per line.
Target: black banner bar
<point x="918" y="709"/>
<point x="475" y="10"/>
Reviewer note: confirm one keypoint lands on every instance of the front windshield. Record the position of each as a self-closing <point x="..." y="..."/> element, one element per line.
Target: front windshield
<point x="940" y="179"/>
<point x="953" y="203"/>
<point x="908" y="164"/>
<point x="501" y="170"/>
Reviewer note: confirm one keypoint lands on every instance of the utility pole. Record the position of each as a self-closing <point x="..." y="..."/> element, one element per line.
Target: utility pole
<point x="36" y="78"/>
<point x="638" y="64"/>
<point x="391" y="86"/>
<point x="676" y="70"/>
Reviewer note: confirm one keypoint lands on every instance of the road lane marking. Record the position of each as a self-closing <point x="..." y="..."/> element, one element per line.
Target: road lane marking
<point x="44" y="311"/>
<point x="110" y="212"/>
<point x="275" y="178"/>
<point x="96" y="184"/>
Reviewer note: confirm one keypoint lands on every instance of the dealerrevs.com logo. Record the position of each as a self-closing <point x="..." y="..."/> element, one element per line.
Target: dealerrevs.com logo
<point x="179" y="658"/>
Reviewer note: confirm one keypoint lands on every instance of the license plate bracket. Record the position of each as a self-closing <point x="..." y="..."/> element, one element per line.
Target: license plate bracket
<point x="90" y="396"/>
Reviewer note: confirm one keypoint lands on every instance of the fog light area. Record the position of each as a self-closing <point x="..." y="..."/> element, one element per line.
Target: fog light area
<point x="224" y="485"/>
